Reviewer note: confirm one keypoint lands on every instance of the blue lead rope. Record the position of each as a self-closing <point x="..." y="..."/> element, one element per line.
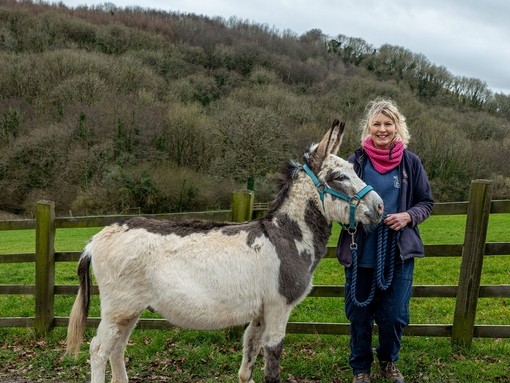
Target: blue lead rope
<point x="380" y="280"/>
<point x="382" y="241"/>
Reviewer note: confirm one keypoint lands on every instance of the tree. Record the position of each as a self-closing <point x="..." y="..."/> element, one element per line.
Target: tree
<point x="352" y="50"/>
<point x="186" y="137"/>
<point x="10" y="125"/>
<point x="251" y="142"/>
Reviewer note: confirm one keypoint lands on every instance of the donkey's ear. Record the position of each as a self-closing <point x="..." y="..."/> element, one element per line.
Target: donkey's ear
<point x="331" y="141"/>
<point x="329" y="144"/>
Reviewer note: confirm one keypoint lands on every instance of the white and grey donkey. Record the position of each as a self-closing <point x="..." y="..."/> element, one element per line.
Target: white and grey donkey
<point x="206" y="275"/>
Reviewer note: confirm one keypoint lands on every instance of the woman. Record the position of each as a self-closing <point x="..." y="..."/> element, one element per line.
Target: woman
<point x="379" y="266"/>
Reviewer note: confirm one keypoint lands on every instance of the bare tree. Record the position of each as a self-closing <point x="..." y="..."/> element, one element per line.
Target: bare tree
<point x="251" y="143"/>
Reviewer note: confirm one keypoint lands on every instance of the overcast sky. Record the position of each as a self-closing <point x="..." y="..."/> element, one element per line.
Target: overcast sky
<point x="468" y="37"/>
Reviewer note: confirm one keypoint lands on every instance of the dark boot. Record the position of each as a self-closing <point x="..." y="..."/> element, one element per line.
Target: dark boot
<point x="390" y="371"/>
<point x="362" y="377"/>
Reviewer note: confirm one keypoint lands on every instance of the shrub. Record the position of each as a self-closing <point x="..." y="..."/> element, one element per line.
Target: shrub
<point x="85" y="89"/>
<point x="10" y="123"/>
<point x="196" y="88"/>
<point x="186" y="137"/>
<point x="150" y="188"/>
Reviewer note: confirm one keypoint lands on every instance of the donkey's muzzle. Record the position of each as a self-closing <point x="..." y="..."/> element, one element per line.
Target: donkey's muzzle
<point x="375" y="213"/>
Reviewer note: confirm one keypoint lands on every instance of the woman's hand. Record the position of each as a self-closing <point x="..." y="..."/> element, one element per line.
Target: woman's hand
<point x="397" y="221"/>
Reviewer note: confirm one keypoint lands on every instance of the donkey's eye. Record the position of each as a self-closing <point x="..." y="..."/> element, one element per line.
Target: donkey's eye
<point x="340" y="177"/>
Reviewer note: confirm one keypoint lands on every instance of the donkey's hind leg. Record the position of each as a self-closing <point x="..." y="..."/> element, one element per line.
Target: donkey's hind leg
<point x="251" y="348"/>
<point x="119" y="374"/>
<point x="110" y="331"/>
<point x="100" y="348"/>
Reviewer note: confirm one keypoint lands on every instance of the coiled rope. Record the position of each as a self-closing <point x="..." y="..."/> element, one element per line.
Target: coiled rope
<point x="380" y="280"/>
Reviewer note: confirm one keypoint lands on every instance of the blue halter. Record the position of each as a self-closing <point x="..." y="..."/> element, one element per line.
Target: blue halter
<point x="353" y="201"/>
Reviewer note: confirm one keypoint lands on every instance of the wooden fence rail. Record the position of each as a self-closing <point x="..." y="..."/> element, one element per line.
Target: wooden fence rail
<point x="467" y="292"/>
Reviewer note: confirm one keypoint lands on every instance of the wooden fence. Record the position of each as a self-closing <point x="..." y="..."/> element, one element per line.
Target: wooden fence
<point x="461" y="331"/>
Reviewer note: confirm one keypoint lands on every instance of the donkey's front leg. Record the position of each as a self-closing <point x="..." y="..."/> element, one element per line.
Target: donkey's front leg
<point x="272" y="363"/>
<point x="276" y="318"/>
<point x="251" y="348"/>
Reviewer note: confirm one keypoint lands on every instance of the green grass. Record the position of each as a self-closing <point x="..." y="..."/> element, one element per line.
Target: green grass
<point x="177" y="355"/>
<point x="189" y="356"/>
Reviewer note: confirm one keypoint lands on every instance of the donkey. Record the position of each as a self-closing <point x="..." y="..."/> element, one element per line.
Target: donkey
<point x="205" y="275"/>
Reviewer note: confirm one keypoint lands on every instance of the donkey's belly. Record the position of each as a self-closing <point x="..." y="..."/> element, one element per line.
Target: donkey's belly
<point x="208" y="311"/>
<point x="215" y="295"/>
<point x="210" y="319"/>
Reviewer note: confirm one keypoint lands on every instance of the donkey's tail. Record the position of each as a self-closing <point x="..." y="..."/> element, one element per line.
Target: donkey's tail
<point x="80" y="310"/>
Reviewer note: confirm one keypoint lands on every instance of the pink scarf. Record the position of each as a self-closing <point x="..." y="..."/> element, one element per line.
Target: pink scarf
<point x="384" y="160"/>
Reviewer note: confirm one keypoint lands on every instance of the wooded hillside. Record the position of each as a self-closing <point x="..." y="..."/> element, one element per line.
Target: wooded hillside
<point x="103" y="110"/>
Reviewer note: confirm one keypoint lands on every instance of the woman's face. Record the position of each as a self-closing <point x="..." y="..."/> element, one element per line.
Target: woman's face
<point x="382" y="131"/>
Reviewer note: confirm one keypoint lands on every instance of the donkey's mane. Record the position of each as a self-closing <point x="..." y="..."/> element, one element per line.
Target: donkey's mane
<point x="283" y="181"/>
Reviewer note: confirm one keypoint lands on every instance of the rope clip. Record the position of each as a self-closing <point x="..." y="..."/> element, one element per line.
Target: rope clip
<point x="352" y="232"/>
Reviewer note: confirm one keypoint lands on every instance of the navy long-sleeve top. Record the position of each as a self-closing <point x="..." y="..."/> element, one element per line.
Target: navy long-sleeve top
<point x="415" y="198"/>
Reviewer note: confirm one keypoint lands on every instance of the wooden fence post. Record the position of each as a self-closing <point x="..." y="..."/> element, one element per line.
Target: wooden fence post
<point x="472" y="260"/>
<point x="242" y="206"/>
<point x="242" y="210"/>
<point x="44" y="267"/>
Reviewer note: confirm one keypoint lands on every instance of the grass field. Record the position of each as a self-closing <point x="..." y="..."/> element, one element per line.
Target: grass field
<point x="189" y="356"/>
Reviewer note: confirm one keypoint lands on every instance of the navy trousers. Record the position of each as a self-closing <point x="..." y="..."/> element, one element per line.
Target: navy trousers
<point x="389" y="309"/>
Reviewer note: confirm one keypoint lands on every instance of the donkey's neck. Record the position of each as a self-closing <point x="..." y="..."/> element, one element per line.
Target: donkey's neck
<point x="302" y="210"/>
<point x="299" y="233"/>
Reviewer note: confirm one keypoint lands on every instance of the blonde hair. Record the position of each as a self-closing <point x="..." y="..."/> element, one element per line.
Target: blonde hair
<point x="390" y="109"/>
